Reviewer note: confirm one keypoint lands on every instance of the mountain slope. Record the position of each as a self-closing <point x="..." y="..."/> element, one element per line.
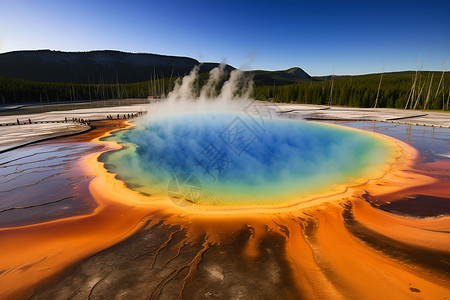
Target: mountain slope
<point x="94" y="66"/>
<point x="118" y="67"/>
<point x="292" y="75"/>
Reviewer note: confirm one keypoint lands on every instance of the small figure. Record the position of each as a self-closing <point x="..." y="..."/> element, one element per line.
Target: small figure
<point x="18" y="123"/>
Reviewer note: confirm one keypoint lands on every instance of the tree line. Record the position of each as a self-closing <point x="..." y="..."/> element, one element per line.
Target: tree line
<point x="411" y="90"/>
<point x="404" y="90"/>
<point x="13" y="90"/>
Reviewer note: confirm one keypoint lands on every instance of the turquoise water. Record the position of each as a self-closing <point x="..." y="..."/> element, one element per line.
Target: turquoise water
<point x="236" y="159"/>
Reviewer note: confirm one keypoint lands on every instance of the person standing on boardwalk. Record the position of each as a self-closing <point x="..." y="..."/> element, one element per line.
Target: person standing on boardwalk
<point x="18" y="123"/>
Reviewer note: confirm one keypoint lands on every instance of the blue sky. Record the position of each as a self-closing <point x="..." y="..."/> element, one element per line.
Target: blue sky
<point x="322" y="37"/>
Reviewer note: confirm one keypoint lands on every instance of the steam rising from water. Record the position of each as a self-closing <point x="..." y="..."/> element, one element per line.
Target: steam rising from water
<point x="237" y="158"/>
<point x="187" y="97"/>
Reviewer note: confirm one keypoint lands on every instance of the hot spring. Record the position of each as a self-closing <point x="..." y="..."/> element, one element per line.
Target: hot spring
<point x="237" y="159"/>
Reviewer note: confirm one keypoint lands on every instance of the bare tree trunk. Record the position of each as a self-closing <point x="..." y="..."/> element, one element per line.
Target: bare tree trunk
<point x="418" y="97"/>
<point x="413" y="88"/>
<point x="379" y="86"/>
<point x="330" y="102"/>
<point x="440" y="82"/>
<point x="428" y="94"/>
<point x="448" y="98"/>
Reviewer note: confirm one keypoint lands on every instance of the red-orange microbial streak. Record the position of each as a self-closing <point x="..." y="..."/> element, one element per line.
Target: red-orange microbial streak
<point x="327" y="259"/>
<point x="30" y="254"/>
<point x="331" y="263"/>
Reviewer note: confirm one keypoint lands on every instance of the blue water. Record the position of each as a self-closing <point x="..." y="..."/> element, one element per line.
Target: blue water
<point x="237" y="159"/>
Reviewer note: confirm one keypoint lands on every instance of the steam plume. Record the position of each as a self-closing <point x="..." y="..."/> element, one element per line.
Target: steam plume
<point x="186" y="97"/>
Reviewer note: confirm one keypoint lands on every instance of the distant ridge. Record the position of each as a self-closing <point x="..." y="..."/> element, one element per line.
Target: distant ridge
<point x="298" y="72"/>
<point x="109" y="66"/>
<point x="288" y="76"/>
<point x="104" y="66"/>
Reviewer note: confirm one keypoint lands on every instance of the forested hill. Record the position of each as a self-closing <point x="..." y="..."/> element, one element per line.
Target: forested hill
<point x="289" y="76"/>
<point x="48" y="76"/>
<point x="112" y="67"/>
<point x="95" y="66"/>
<point x="409" y="89"/>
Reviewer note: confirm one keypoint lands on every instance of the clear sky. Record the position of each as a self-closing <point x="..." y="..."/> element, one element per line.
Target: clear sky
<point x="322" y="37"/>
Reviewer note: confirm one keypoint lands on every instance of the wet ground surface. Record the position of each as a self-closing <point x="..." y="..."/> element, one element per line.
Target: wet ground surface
<point x="389" y="115"/>
<point x="17" y="136"/>
<point x="156" y="263"/>
<point x="417" y="205"/>
<point x="433" y="143"/>
<point x="43" y="182"/>
<point x="35" y="108"/>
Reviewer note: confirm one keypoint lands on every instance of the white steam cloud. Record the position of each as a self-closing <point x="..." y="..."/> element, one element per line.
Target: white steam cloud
<point x="188" y="97"/>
